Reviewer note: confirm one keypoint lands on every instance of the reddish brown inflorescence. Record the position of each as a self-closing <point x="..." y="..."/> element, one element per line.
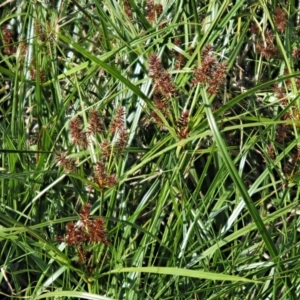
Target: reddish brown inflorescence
<point x="7" y="34"/>
<point x="280" y="19"/>
<point x="102" y="177"/>
<point x="68" y="164"/>
<point x="85" y="232"/>
<point x="127" y="8"/>
<point x="211" y="73"/>
<point x="182" y="125"/>
<point x="267" y="47"/>
<point x="118" y="121"/>
<point x="95" y="123"/>
<point x="163" y="86"/>
<point x="79" y="137"/>
<point x="153" y="10"/>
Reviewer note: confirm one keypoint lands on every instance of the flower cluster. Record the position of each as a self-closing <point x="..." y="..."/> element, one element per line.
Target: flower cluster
<point x="33" y="74"/>
<point x="153" y="10"/>
<point x="155" y="67"/>
<point x="182" y="125"/>
<point x="85" y="232"/>
<point x="296" y="53"/>
<point x="279" y="92"/>
<point x="211" y="73"/>
<point x="102" y="178"/>
<point x="68" y="164"/>
<point x="106" y="149"/>
<point x="179" y="57"/>
<point x="40" y="32"/>
<point x="283" y="133"/>
<point x="7" y="34"/>
<point x="118" y="121"/>
<point x="280" y="19"/>
<point x="95" y="123"/>
<point x="118" y="127"/>
<point x="127" y="8"/>
<point x="267" y="47"/>
<point x="79" y="137"/>
<point x="164" y="88"/>
<point x="271" y="151"/>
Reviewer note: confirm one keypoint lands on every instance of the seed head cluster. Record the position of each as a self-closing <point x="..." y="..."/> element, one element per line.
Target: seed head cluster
<point x="7" y="33"/>
<point x="182" y="125"/>
<point x="211" y="73"/>
<point x="153" y="10"/>
<point x="85" y="232"/>
<point x="79" y="136"/>
<point x="164" y="88"/>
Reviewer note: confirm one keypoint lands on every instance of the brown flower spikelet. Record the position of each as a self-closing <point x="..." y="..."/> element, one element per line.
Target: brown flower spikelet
<point x="280" y="19"/>
<point x="102" y="178"/>
<point x="79" y="137"/>
<point x="68" y="164"/>
<point x="118" y="121"/>
<point x="95" y="123"/>
<point x="86" y="231"/>
<point x="212" y="73"/>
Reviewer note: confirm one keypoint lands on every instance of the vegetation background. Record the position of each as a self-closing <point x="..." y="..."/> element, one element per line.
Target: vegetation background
<point x="149" y="149"/>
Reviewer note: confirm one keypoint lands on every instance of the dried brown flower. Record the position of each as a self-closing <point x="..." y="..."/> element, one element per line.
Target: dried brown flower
<point x="164" y="84"/>
<point x="296" y="53"/>
<point x="182" y="125"/>
<point x="79" y="137"/>
<point x="297" y="154"/>
<point x="179" y="62"/>
<point x="118" y="121"/>
<point x="268" y="49"/>
<point x="40" y="32"/>
<point x="271" y="151"/>
<point x="85" y="232"/>
<point x="164" y="88"/>
<point x="106" y="149"/>
<point x="254" y="28"/>
<point x="111" y="180"/>
<point x="207" y="50"/>
<point x="7" y="34"/>
<point x="162" y="79"/>
<point x="282" y="133"/>
<point x="279" y="91"/>
<point x="153" y="10"/>
<point x="128" y="9"/>
<point x="212" y="73"/>
<point x="24" y="48"/>
<point x="95" y="123"/>
<point x="102" y="178"/>
<point x="280" y="19"/>
<point x="162" y="105"/>
<point x="269" y="36"/>
<point x="122" y="141"/>
<point x="69" y="164"/>
<point x="158" y="10"/>
<point x="155" y="66"/>
<point x="184" y="119"/>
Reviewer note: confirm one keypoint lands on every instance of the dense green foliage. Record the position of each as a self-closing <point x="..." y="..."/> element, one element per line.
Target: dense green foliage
<point x="149" y="149"/>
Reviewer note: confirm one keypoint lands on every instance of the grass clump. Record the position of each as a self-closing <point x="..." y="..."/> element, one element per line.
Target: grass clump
<point x="149" y="150"/>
